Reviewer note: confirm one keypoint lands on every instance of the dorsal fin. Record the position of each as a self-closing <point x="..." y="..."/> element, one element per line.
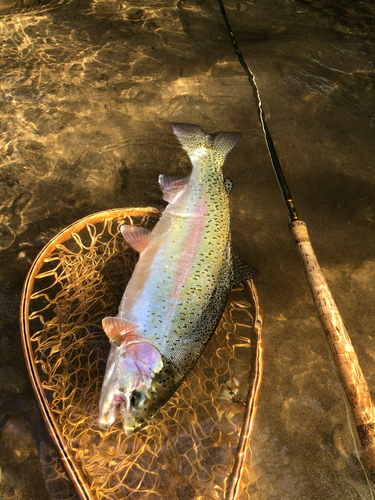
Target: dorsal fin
<point x="172" y="186"/>
<point x="228" y="184"/>
<point x="242" y="271"/>
<point x="118" y="329"/>
<point x="138" y="237"/>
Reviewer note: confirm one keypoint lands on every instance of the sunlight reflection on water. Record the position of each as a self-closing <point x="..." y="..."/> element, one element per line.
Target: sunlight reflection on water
<point x="88" y="91"/>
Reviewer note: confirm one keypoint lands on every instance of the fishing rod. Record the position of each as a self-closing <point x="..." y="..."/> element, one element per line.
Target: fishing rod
<point x="343" y="354"/>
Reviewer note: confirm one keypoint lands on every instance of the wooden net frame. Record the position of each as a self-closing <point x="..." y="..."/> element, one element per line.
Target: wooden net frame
<point x="197" y="446"/>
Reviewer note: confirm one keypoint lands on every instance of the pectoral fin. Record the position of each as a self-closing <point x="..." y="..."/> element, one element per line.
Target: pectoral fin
<point x="242" y="271"/>
<point x="138" y="237"/>
<point x="118" y="329"/>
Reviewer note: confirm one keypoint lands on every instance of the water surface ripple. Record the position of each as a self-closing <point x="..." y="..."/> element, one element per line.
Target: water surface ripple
<point x="88" y="93"/>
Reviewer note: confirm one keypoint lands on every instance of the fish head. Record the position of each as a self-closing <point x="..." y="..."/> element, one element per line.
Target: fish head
<point x="138" y="384"/>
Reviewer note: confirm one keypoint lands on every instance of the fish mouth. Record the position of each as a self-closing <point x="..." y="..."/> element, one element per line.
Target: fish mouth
<point x="109" y="416"/>
<point x="120" y="404"/>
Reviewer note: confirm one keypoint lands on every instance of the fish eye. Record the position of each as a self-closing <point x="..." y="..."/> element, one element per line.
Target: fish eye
<point x="136" y="399"/>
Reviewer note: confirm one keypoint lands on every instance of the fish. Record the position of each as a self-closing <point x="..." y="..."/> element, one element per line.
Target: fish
<point x="179" y="288"/>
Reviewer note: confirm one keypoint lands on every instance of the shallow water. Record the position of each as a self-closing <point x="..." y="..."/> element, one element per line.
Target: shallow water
<point x="88" y="93"/>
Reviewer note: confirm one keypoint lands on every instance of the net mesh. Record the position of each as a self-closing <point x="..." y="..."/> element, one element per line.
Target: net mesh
<point x="188" y="450"/>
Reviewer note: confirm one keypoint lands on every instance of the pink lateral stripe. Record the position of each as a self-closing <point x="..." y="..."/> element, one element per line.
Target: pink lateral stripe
<point x="193" y="240"/>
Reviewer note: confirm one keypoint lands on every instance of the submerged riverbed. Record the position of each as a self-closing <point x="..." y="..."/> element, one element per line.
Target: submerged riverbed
<point x="88" y="93"/>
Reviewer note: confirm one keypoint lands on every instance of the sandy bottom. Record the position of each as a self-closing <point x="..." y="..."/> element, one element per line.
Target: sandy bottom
<point x="88" y="93"/>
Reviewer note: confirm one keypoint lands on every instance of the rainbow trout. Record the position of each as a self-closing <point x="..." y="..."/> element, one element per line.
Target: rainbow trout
<point x="179" y="288"/>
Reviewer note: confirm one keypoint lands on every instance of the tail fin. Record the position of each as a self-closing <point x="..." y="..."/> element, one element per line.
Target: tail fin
<point x="193" y="137"/>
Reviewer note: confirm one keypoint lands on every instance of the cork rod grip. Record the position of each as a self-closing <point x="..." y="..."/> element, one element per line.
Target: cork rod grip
<point x="340" y="345"/>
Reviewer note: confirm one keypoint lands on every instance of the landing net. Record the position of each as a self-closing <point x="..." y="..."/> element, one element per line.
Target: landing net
<point x="196" y="446"/>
